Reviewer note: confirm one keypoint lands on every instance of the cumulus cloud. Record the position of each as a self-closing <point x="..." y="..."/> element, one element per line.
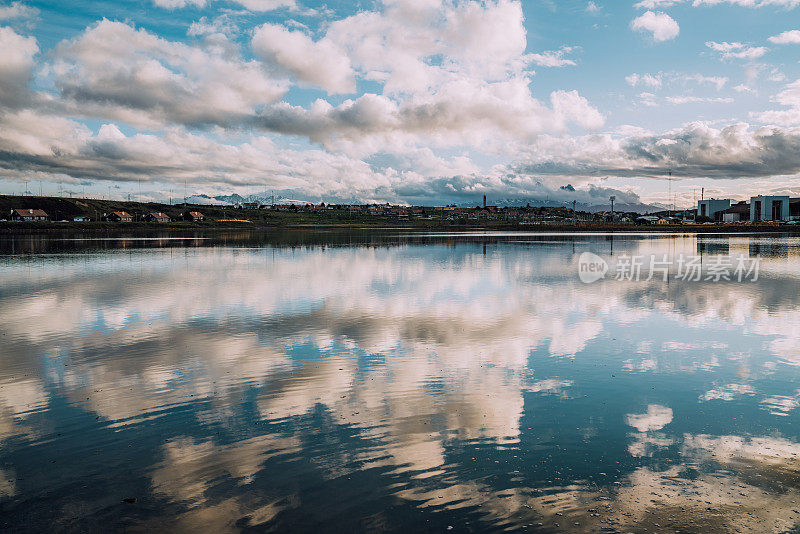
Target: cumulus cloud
<point x="412" y="47"/>
<point x="787" y="37"/>
<point x="16" y="66"/>
<point x="737" y="50"/>
<point x="477" y="93"/>
<point x="34" y="144"/>
<point x="694" y="150"/>
<point x="659" y="24"/>
<point x="321" y="63"/>
<point x="458" y="113"/>
<point x="115" y="70"/>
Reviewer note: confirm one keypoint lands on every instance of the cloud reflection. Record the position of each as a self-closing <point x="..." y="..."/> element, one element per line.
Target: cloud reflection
<point x="409" y="362"/>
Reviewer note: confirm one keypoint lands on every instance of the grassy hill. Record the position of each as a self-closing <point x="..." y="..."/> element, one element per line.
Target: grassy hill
<point x="59" y="208"/>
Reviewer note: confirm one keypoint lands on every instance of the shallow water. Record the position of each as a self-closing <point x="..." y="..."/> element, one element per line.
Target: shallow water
<point x="362" y="382"/>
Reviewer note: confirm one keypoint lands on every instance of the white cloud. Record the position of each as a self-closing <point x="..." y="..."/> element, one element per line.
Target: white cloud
<point x="16" y="65"/>
<point x="659" y="24"/>
<point x="179" y="4"/>
<point x="569" y="106"/>
<point x="459" y="113"/>
<point x="737" y="50"/>
<point x="690" y="99"/>
<point x="789" y="97"/>
<point x="553" y="58"/>
<point x="593" y="7"/>
<point x="17" y="10"/>
<point x="114" y="70"/>
<point x="321" y="63"/>
<point x="477" y="93"/>
<point x="648" y="80"/>
<point x="647" y="99"/>
<point x="789" y="4"/>
<point x="717" y="81"/>
<point x="266" y="5"/>
<point x="222" y="25"/>
<point x="251" y="5"/>
<point x="787" y="37"/>
<point x="694" y="150"/>
<point x="655" y="81"/>
<point x="654" y="4"/>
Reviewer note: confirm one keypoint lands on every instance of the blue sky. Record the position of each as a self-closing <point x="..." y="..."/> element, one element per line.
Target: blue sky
<point x="411" y="101"/>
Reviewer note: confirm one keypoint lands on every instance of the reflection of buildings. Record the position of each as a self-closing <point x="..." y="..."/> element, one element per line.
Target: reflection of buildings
<point x="768" y="249"/>
<point x="715" y="247"/>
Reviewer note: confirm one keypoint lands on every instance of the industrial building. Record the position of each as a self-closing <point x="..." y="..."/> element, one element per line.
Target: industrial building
<point x="769" y="208"/>
<point x="712" y="207"/>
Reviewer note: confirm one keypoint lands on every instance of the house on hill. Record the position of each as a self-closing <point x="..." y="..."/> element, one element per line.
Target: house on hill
<point x="158" y="217"/>
<point x="118" y="216"/>
<point x="193" y="216"/>
<point x="28" y="215"/>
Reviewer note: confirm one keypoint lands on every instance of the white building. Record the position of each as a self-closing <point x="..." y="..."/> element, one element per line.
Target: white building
<point x="709" y="208"/>
<point x="769" y="208"/>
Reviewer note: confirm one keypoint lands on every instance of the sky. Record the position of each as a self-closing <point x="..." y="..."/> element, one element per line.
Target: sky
<point x="404" y="101"/>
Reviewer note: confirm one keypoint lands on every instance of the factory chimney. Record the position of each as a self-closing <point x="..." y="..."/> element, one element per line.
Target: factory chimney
<point x="484" y="201"/>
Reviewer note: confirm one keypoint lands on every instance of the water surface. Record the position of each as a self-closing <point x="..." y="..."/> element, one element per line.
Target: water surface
<point x="321" y="382"/>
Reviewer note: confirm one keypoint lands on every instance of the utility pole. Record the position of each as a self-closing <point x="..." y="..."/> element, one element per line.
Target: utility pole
<point x="670" y="202"/>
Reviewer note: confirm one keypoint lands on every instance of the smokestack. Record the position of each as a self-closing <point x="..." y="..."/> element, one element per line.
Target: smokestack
<point x="484" y="201"/>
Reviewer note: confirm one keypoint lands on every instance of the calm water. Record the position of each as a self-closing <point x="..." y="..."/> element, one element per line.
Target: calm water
<point x="339" y="383"/>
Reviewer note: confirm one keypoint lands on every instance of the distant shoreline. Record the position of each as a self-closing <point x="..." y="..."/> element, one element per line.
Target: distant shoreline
<point x="52" y="227"/>
<point x="63" y="212"/>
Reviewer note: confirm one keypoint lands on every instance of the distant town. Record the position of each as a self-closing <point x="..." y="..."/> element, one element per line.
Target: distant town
<point x="760" y="209"/>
